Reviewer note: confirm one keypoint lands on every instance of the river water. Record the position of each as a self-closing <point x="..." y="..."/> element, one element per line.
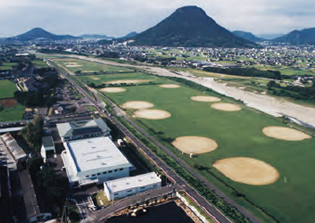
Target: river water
<point x="165" y="213"/>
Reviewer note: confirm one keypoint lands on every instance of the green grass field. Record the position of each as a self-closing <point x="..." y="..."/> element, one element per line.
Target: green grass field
<point x="12" y="113"/>
<point x="90" y="67"/>
<point x="7" y="66"/>
<point x="7" y="89"/>
<point x="238" y="134"/>
<point x="99" y="79"/>
<point x="38" y="63"/>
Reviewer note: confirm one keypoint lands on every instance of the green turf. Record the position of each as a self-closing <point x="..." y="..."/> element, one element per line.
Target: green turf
<point x="90" y="67"/>
<point x="7" y="89"/>
<point x="7" y="66"/>
<point x="38" y="63"/>
<point x="88" y="79"/>
<point x="12" y="113"/>
<point x="237" y="134"/>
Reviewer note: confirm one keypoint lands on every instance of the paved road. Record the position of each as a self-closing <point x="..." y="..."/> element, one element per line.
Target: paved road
<point x="177" y="179"/>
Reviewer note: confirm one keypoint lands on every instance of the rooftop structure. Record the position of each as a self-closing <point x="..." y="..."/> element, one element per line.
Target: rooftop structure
<point x="14" y="148"/>
<point x="127" y="186"/>
<point x="94" y="160"/>
<point x="83" y="129"/>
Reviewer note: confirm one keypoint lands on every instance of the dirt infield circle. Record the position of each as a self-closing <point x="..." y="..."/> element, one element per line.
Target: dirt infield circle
<point x="73" y="65"/>
<point x="95" y="78"/>
<point x="226" y="107"/>
<point x="113" y="89"/>
<point x="169" y="86"/>
<point x="152" y="114"/>
<point x="137" y="105"/>
<point x="205" y="99"/>
<point x="126" y="81"/>
<point x="194" y="144"/>
<point x="285" y="133"/>
<point x="247" y="170"/>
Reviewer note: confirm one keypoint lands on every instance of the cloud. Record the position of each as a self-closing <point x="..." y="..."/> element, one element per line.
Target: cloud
<point x="117" y="18"/>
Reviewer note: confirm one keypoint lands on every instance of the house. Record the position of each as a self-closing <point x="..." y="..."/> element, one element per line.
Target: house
<point x="93" y="160"/>
<point x="127" y="186"/>
<point x="83" y="129"/>
<point x="47" y="145"/>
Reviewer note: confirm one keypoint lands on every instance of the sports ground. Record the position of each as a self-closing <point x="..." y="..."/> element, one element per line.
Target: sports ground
<point x="238" y="147"/>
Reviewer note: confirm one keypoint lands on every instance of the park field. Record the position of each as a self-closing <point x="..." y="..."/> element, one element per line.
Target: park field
<point x="7" y="89"/>
<point x="77" y="65"/>
<point x="10" y="109"/>
<point x="239" y="133"/>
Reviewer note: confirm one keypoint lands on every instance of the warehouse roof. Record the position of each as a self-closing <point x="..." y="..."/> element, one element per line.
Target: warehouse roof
<point x="96" y="153"/>
<point x="126" y="183"/>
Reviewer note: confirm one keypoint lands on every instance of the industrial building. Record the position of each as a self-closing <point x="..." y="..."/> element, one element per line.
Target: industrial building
<point x="127" y="186"/>
<point x="93" y="160"/>
<point x="83" y="129"/>
<point x="13" y="147"/>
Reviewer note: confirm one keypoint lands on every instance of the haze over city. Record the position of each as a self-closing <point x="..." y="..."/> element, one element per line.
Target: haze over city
<point x="117" y="18"/>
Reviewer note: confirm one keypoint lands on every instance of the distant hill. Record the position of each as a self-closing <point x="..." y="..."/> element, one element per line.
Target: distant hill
<point x="94" y="36"/>
<point x="190" y="26"/>
<point x="248" y="36"/>
<point x="132" y="34"/>
<point x="39" y="33"/>
<point x="296" y="37"/>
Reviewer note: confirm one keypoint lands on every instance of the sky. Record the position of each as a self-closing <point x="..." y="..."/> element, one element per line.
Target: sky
<point x="117" y="18"/>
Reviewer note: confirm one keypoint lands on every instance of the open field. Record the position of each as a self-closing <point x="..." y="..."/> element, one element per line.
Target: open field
<point x="7" y="89"/>
<point x="38" y="63"/>
<point x="120" y="78"/>
<point x="7" y="66"/>
<point x="75" y="65"/>
<point x="237" y="134"/>
<point x="14" y="113"/>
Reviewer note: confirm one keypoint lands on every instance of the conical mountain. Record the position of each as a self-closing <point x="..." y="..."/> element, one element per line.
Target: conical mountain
<point x="190" y="26"/>
<point x="39" y="33"/>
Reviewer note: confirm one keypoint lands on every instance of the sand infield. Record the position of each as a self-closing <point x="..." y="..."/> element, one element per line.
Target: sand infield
<point x="194" y="144"/>
<point x="126" y="81"/>
<point x="152" y="114"/>
<point x="226" y="107"/>
<point x="73" y="65"/>
<point x="285" y="133"/>
<point x="11" y="102"/>
<point x="137" y="105"/>
<point x="247" y="170"/>
<point x="95" y="78"/>
<point x="113" y="89"/>
<point x="169" y="86"/>
<point x="205" y="99"/>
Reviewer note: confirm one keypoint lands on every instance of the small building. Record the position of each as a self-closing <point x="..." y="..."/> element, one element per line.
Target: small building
<point x="13" y="147"/>
<point x="83" y="129"/>
<point x="93" y="160"/>
<point x="120" y="188"/>
<point x="47" y="145"/>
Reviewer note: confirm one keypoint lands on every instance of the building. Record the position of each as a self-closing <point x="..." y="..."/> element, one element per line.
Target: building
<point x="83" y="129"/>
<point x="13" y="147"/>
<point x="116" y="189"/>
<point x="6" y="209"/>
<point x="47" y="145"/>
<point x="93" y="160"/>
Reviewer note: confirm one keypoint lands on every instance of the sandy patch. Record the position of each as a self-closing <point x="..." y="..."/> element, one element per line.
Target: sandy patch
<point x="73" y="65"/>
<point x="113" y="89"/>
<point x="169" y="86"/>
<point x="226" y="107"/>
<point x="126" y="81"/>
<point x="137" y="105"/>
<point x="194" y="144"/>
<point x="8" y="102"/>
<point x="285" y="133"/>
<point x="205" y="98"/>
<point x="153" y="114"/>
<point x="95" y="78"/>
<point x="247" y="170"/>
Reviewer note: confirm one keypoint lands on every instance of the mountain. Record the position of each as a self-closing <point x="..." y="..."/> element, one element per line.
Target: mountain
<point x="130" y="35"/>
<point x="296" y="37"/>
<point x="190" y="26"/>
<point x="248" y="36"/>
<point x="39" y="33"/>
<point x="94" y="36"/>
